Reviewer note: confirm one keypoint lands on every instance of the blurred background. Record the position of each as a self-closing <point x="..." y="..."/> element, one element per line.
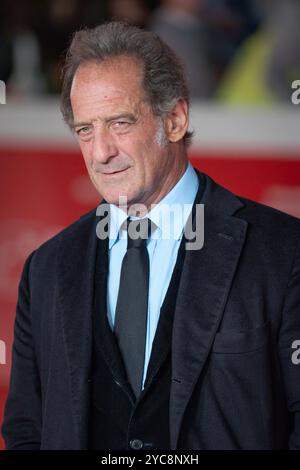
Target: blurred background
<point x="242" y="59"/>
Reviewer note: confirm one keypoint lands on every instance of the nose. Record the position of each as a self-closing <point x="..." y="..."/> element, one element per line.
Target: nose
<point x="104" y="147"/>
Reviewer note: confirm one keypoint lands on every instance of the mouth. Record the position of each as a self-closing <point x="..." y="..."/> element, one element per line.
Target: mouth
<point x="112" y="173"/>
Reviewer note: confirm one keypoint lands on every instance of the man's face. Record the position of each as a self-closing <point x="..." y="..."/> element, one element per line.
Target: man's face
<point x="123" y="144"/>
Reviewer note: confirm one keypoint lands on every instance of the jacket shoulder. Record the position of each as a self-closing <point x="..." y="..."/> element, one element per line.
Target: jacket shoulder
<point x="268" y="218"/>
<point x="222" y="201"/>
<point x="76" y="229"/>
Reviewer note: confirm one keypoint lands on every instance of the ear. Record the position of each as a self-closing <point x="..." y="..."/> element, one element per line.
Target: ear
<point x="177" y="121"/>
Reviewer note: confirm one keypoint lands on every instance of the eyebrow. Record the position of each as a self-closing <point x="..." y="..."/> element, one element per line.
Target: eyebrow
<point x="80" y="124"/>
<point x="129" y="116"/>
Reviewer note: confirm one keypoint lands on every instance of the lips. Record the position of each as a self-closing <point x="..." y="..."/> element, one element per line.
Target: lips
<point x="114" y="172"/>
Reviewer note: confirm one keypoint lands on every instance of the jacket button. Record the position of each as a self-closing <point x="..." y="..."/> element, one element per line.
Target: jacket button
<point x="136" y="444"/>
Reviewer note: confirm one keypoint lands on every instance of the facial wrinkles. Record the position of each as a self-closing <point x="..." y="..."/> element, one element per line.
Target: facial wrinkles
<point x="100" y="99"/>
<point x="117" y="163"/>
<point x="103" y="96"/>
<point x="124" y="161"/>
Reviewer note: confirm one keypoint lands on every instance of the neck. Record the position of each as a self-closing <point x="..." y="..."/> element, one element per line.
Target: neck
<point x="169" y="180"/>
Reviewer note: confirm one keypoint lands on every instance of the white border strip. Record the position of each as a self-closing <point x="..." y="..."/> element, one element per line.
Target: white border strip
<point x="269" y="129"/>
<point x="216" y="128"/>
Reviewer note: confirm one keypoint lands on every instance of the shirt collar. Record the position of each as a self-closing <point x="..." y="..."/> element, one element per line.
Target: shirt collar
<point x="169" y="215"/>
<point x="117" y="217"/>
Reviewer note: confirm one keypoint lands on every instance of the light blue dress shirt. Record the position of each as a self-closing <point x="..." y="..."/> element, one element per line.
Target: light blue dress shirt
<point x="170" y="216"/>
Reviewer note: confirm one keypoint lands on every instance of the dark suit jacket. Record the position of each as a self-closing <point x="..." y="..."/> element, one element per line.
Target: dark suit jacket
<point x="234" y="385"/>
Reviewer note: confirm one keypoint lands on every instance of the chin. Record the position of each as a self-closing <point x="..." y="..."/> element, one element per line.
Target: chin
<point x="130" y="201"/>
<point x="114" y="198"/>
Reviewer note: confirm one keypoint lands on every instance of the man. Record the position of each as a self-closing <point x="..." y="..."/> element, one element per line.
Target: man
<point x="134" y="341"/>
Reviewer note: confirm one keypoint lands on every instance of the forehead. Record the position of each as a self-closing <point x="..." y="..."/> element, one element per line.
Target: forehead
<point x="112" y="79"/>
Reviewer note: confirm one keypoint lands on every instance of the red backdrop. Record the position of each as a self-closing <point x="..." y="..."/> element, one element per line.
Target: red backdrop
<point x="42" y="191"/>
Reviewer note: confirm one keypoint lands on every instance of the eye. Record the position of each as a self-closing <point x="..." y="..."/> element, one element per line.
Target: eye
<point x="83" y="130"/>
<point x="84" y="133"/>
<point x="120" y="125"/>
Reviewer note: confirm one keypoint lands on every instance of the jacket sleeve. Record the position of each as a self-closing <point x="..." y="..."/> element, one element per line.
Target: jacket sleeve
<point x="289" y="342"/>
<point x="22" y="418"/>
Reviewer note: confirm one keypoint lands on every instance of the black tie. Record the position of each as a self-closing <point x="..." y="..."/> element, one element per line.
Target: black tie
<point x="132" y="304"/>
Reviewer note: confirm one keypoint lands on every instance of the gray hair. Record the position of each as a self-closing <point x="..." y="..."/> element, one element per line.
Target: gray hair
<point x="164" y="80"/>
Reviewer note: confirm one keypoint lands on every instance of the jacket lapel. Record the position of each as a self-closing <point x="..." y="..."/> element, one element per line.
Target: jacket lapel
<point x="76" y="277"/>
<point x="103" y="334"/>
<point x="204" y="287"/>
<point x="162" y="340"/>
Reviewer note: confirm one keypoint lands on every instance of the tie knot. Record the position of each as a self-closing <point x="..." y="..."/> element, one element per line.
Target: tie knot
<point x="138" y="232"/>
